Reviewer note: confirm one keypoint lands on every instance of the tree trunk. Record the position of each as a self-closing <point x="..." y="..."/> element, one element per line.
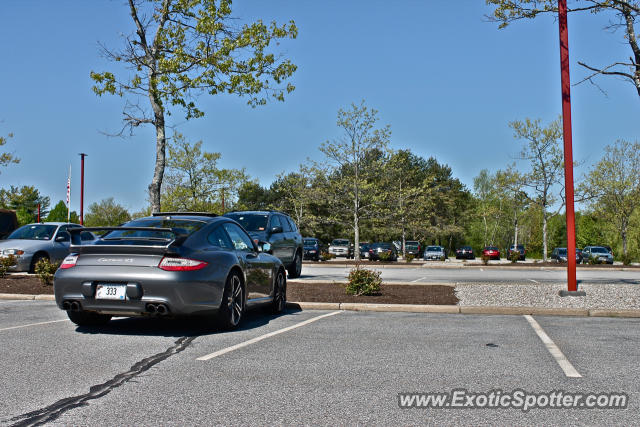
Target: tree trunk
<point x="158" y="171"/>
<point x="544" y="236"/>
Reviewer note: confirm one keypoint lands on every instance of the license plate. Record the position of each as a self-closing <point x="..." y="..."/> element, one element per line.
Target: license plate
<point x="107" y="291"/>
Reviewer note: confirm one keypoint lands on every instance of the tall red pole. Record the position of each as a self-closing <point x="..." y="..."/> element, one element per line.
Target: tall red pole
<point x="82" y="156"/>
<point x="38" y="212"/>
<point x="568" y="151"/>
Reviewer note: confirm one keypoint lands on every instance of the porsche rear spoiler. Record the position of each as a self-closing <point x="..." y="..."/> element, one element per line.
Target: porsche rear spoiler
<point x="163" y="246"/>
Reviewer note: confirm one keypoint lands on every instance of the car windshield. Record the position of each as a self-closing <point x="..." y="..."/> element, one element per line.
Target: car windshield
<point x="491" y="248"/>
<point x="340" y="242"/>
<point x="381" y="245"/>
<point x="411" y="245"/>
<point x="599" y="251"/>
<point x="34" y="232"/>
<point x="466" y="248"/>
<point x="177" y="225"/>
<point x="433" y="248"/>
<point x="310" y="242"/>
<point x="250" y="222"/>
<point x="520" y="247"/>
<point x="562" y="251"/>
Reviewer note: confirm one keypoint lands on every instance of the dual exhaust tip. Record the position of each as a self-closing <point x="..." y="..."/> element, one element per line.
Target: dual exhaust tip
<point x="159" y="309"/>
<point x="71" y="305"/>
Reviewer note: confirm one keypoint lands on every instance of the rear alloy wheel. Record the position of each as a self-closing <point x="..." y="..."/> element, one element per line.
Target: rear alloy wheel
<point x="86" y="318"/>
<point x="296" y="268"/>
<point x="279" y="293"/>
<point x="232" y="306"/>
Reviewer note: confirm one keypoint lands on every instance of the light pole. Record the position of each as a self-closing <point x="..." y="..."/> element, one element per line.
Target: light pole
<point x="82" y="156"/>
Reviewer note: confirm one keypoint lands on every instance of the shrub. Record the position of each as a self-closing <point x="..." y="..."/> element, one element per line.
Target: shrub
<point x="44" y="270"/>
<point x="515" y="256"/>
<point x="326" y="256"/>
<point x="627" y="259"/>
<point x="363" y="282"/>
<point x="485" y="259"/>
<point x="5" y="263"/>
<point x="384" y="256"/>
<point x="443" y="258"/>
<point x="409" y="258"/>
<point x="593" y="260"/>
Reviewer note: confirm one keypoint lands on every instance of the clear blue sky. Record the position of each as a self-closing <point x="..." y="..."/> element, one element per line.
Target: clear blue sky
<point x="447" y="82"/>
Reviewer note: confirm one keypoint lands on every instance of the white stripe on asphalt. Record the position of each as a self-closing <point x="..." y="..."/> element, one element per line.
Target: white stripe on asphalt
<point x="564" y="363"/>
<point x="33" y="324"/>
<point x="417" y="280"/>
<point x="265" y="336"/>
<point x="534" y="281"/>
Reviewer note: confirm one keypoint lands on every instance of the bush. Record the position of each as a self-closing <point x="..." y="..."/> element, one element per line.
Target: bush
<point x="515" y="256"/>
<point x="44" y="270"/>
<point x="409" y="258"/>
<point x="593" y="260"/>
<point x="443" y="258"/>
<point x="384" y="256"/>
<point x="485" y="259"/>
<point x="326" y="256"/>
<point x="5" y="263"/>
<point x="363" y="282"/>
<point x="627" y="259"/>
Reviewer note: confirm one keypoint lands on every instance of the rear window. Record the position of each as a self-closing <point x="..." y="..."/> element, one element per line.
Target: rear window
<point x="310" y="242"/>
<point x="599" y="251"/>
<point x="179" y="226"/>
<point x="250" y="222"/>
<point x="381" y="245"/>
<point x="562" y="251"/>
<point x="433" y="248"/>
<point x="411" y="245"/>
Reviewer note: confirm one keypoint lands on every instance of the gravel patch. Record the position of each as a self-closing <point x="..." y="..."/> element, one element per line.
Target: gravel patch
<point x="618" y="297"/>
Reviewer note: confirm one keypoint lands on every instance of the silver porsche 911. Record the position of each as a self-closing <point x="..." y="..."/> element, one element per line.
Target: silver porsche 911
<point x="169" y="264"/>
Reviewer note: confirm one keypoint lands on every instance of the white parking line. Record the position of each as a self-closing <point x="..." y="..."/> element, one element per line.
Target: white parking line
<point x="265" y="336"/>
<point x="534" y="281"/>
<point x="417" y="280"/>
<point x="33" y="324"/>
<point x="564" y="363"/>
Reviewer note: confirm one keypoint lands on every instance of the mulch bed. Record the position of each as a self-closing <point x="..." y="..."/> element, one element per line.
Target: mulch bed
<point x="14" y="284"/>
<point x="391" y="294"/>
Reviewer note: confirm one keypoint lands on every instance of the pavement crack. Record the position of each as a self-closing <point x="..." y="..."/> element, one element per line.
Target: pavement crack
<point x="55" y="410"/>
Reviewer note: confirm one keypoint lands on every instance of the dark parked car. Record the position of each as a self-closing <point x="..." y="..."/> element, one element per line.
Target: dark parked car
<point x="560" y="255"/>
<point x="491" y="252"/>
<point x="169" y="265"/>
<point x="279" y="230"/>
<point x="33" y="242"/>
<point x="364" y="250"/>
<point x="519" y="249"/>
<point x="465" y="252"/>
<point x="311" y="248"/>
<point x="377" y="250"/>
<point x="412" y="247"/>
<point x="597" y="254"/>
<point x="8" y="222"/>
<point x="435" y="253"/>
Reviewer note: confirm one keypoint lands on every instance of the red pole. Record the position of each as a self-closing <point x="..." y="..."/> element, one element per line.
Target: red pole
<point x="568" y="151"/>
<point x="82" y="156"/>
<point x="38" y="212"/>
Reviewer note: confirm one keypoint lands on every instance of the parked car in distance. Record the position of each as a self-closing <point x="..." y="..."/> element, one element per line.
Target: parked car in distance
<point x="377" y="250"/>
<point x="364" y="250"/>
<point x="277" y="229"/>
<point x="608" y="248"/>
<point x="412" y="247"/>
<point x="311" y="248"/>
<point x="169" y="264"/>
<point x="597" y="254"/>
<point x="8" y="222"/>
<point x="341" y="247"/>
<point x="435" y="253"/>
<point x="560" y="255"/>
<point x="519" y="249"/>
<point x="491" y="252"/>
<point x="465" y="252"/>
<point x="33" y="242"/>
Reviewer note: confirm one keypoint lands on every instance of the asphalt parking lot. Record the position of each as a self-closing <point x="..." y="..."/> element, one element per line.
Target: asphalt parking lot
<point x="305" y="367"/>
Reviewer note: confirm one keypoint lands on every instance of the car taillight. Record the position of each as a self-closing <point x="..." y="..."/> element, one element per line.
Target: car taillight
<point x="69" y="261"/>
<point x="181" y="264"/>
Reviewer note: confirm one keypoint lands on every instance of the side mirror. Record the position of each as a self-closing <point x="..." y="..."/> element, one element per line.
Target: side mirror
<point x="264" y="247"/>
<point x="277" y="229"/>
<point x="63" y="236"/>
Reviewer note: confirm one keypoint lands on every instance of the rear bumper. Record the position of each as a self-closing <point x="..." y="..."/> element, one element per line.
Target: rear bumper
<point x="184" y="293"/>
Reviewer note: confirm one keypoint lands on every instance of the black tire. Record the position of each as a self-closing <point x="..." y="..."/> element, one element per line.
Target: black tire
<point x="34" y="261"/>
<point x="295" y="269"/>
<point x="87" y="318"/>
<point x="279" y="302"/>
<point x="233" y="301"/>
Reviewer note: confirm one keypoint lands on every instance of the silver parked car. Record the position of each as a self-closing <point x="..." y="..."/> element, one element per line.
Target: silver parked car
<point x="341" y="247"/>
<point x="169" y="264"/>
<point x="33" y="242"/>
<point x="434" y="253"/>
<point x="596" y="253"/>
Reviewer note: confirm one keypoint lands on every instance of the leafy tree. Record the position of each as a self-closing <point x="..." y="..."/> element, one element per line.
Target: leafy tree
<point x="490" y="205"/>
<point x="625" y="12"/>
<point x="7" y="158"/>
<point x="24" y="200"/>
<point x="59" y="214"/>
<point x="252" y="196"/>
<point x="517" y="201"/>
<point x="614" y="184"/>
<point x="106" y="213"/>
<point x="182" y="48"/>
<point x="195" y="183"/>
<point x="352" y="184"/>
<point x="543" y="153"/>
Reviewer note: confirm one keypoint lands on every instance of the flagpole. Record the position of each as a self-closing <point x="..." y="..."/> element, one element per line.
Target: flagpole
<point x="69" y="195"/>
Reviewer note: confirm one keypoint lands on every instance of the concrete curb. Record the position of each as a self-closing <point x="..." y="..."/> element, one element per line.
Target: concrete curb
<point x="456" y="309"/>
<point x="504" y="266"/>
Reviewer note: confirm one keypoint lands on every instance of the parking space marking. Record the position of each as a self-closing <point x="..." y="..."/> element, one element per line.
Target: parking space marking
<point x="560" y="358"/>
<point x="534" y="281"/>
<point x="265" y="336"/>
<point x="417" y="280"/>
<point x="34" y="324"/>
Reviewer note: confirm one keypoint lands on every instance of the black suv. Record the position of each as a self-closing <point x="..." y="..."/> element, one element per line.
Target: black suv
<point x="279" y="230"/>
